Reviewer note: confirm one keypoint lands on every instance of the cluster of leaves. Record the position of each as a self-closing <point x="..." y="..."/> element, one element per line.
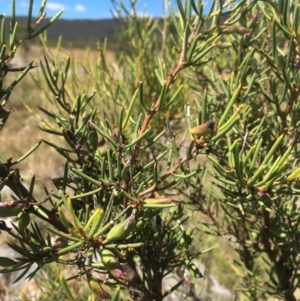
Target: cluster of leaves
<point x="109" y="204"/>
<point x="256" y="165"/>
<point x="119" y="209"/>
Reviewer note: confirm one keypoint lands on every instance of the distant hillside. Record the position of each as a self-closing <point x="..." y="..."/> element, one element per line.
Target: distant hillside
<point x="82" y="33"/>
<point x="79" y="32"/>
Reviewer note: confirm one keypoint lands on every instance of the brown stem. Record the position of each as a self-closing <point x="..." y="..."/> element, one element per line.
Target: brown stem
<point x="157" y="281"/>
<point x="134" y="283"/>
<point x="173" y="170"/>
<point x="154" y="110"/>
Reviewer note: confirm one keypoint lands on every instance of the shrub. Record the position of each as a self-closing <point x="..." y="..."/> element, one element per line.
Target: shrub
<point x="137" y="161"/>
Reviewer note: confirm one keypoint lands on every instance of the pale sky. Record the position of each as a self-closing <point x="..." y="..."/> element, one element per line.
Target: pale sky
<point x="86" y="9"/>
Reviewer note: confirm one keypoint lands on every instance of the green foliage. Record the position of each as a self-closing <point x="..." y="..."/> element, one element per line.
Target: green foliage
<point x="120" y="210"/>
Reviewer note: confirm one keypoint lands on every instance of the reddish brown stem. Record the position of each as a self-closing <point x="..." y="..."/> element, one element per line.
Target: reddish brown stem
<point x="154" y="110"/>
<point x="173" y="170"/>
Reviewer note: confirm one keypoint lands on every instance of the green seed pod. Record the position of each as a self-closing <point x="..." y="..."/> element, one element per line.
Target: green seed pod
<point x="92" y="139"/>
<point x="24" y="220"/>
<point x="223" y="45"/>
<point x="102" y="147"/>
<point x="12" y="208"/>
<point x="121" y="230"/>
<point x="96" y="287"/>
<point x="203" y="130"/>
<point x="111" y="264"/>
<point x="6" y="262"/>
<point x="158" y="201"/>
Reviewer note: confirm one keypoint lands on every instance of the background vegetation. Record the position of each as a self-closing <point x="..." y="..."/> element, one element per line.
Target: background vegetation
<point x="179" y="148"/>
<point x="78" y="33"/>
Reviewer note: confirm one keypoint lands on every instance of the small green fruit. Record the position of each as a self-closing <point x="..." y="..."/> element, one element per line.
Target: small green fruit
<point x="158" y="201"/>
<point x="96" y="287"/>
<point x="121" y="230"/>
<point x="92" y="139"/>
<point x="24" y="220"/>
<point x="111" y="264"/>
